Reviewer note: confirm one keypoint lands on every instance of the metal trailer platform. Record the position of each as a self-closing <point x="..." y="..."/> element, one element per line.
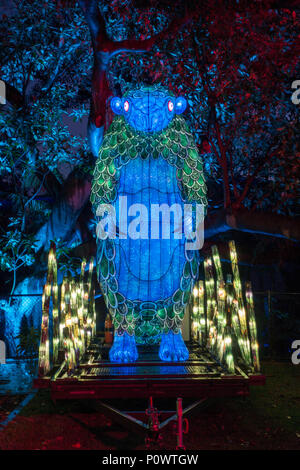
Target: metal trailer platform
<point x="199" y="378"/>
<point x="230" y="332"/>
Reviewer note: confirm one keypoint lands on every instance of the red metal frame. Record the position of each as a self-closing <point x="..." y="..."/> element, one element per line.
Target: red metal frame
<point x="199" y="378"/>
<point x="155" y="384"/>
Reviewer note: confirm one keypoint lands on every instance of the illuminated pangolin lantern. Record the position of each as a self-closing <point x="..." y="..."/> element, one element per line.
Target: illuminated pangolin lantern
<point x="148" y="162"/>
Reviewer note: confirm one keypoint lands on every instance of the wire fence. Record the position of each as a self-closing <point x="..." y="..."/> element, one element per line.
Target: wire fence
<point x="277" y="315"/>
<point x="278" y="322"/>
<point x="18" y="313"/>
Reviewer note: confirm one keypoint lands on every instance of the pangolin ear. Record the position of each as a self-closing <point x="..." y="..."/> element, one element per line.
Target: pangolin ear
<point x="180" y="105"/>
<point x="116" y="105"/>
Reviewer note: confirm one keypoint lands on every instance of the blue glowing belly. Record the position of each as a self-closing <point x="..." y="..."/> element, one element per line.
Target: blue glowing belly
<point x="149" y="269"/>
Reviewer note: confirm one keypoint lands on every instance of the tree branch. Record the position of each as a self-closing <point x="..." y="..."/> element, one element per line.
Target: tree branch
<point x="104" y="49"/>
<point x="95" y="21"/>
<point x="251" y="178"/>
<point x="144" y="45"/>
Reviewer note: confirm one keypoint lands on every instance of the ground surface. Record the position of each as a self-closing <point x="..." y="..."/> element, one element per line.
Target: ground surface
<point x="8" y="403"/>
<point x="268" y="419"/>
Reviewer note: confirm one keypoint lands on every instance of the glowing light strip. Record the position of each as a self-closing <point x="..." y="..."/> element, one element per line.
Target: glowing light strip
<point x="74" y="319"/>
<point x="239" y="316"/>
<point x="229" y="357"/>
<point x="211" y="304"/>
<point x="198" y="314"/>
<point x="252" y="326"/>
<point x="227" y="319"/>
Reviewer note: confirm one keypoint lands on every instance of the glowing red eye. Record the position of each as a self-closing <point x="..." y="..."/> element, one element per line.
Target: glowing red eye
<point x="170" y="106"/>
<point x="126" y="106"/>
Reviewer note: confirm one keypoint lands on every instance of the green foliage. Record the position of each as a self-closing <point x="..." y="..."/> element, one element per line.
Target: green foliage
<point x="45" y="59"/>
<point x="28" y="339"/>
<point x="67" y="262"/>
<point x="16" y="250"/>
<point x="235" y="66"/>
<point x="46" y="65"/>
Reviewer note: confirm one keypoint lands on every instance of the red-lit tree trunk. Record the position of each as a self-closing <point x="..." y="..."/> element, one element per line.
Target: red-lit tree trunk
<point x="104" y="49"/>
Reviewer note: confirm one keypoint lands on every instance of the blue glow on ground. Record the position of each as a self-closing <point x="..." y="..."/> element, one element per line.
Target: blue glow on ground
<point x="16" y="376"/>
